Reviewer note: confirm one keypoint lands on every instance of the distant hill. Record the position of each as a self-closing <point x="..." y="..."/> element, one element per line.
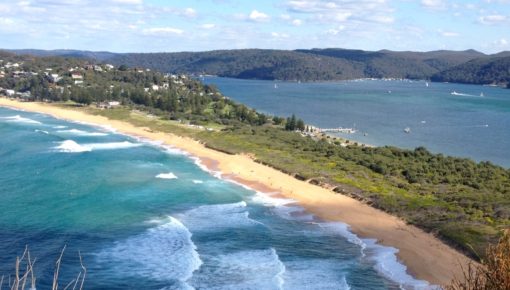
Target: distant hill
<point x="492" y="70"/>
<point x="467" y="66"/>
<point x="96" y="55"/>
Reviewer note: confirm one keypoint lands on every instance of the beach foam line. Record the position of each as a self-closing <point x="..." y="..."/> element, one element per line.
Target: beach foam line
<point x="163" y="253"/>
<point x="197" y="181"/>
<point x="19" y="119"/>
<point x="168" y="175"/>
<point x="82" y="133"/>
<point x="247" y="269"/>
<point x="70" y="146"/>
<point x="218" y="217"/>
<point x="384" y="258"/>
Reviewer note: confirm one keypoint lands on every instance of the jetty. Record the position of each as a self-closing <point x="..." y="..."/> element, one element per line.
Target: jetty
<point x="337" y="130"/>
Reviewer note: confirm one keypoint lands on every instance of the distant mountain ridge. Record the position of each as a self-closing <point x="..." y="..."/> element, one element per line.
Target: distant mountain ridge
<point x="469" y="66"/>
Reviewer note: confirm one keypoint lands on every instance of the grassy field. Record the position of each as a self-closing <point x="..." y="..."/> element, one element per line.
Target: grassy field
<point x="467" y="204"/>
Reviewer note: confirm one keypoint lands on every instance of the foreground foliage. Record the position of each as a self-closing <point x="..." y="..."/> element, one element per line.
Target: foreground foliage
<point x="492" y="274"/>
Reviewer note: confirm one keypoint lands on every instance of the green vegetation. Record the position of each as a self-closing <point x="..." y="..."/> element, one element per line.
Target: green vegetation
<point x="179" y="96"/>
<point x="483" y="71"/>
<point x="304" y="64"/>
<point x="463" y="202"/>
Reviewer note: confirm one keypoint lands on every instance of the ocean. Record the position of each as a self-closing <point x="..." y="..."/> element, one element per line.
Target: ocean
<point x="145" y="216"/>
<point x="468" y="121"/>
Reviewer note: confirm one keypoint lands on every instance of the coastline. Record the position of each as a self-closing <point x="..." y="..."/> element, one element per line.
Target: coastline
<point x="425" y="256"/>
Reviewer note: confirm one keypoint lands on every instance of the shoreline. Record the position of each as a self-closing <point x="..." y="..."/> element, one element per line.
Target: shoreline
<point x="425" y="256"/>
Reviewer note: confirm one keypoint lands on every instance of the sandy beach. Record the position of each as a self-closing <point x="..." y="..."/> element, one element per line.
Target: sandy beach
<point x="426" y="257"/>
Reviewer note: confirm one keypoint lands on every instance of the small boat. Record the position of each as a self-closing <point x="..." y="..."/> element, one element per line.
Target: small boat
<point x="427" y="84"/>
<point x="275" y="86"/>
<point x="481" y="95"/>
<point x="407" y="130"/>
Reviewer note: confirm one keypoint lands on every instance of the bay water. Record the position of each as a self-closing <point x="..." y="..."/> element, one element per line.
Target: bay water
<point x="468" y="121"/>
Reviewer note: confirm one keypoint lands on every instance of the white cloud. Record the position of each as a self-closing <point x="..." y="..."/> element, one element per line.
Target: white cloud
<point x="285" y="17"/>
<point x="279" y="35"/>
<point x="435" y="4"/>
<point x="133" y="2"/>
<point x="448" y="33"/>
<point x="297" y="22"/>
<point x="492" y="19"/>
<point x="208" y="26"/>
<point x="344" y="11"/>
<point x="163" y="31"/>
<point x="501" y="42"/>
<point x="336" y="30"/>
<point x="189" y="12"/>
<point x="6" y="21"/>
<point x="258" y="16"/>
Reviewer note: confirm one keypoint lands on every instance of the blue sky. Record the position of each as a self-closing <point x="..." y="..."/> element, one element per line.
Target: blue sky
<point x="197" y="25"/>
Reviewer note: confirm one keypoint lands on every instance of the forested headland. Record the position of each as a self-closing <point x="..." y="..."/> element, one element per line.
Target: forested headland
<point x="328" y="64"/>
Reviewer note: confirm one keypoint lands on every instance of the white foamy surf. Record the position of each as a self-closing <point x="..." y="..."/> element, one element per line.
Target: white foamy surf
<point x="76" y="132"/>
<point x="70" y="146"/>
<point x="197" y="181"/>
<point x="19" y="119"/>
<point x="384" y="258"/>
<point x="163" y="253"/>
<point x="42" y="131"/>
<point x="168" y="175"/>
<point x="250" y="269"/>
<point x="217" y="217"/>
<point x="303" y="274"/>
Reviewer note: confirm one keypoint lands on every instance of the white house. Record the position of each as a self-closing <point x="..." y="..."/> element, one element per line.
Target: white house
<point x="55" y="78"/>
<point x="155" y="87"/>
<point x="76" y="76"/>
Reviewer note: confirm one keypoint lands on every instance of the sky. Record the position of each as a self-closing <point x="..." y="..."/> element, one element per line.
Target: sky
<point x="199" y="25"/>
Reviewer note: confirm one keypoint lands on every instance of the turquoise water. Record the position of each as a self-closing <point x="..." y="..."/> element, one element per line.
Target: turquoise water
<point x="149" y="217"/>
<point x="464" y="124"/>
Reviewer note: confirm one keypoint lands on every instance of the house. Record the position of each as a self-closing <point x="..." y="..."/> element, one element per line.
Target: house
<point x="10" y="93"/>
<point x="108" y="105"/>
<point x="109" y="66"/>
<point x="98" y="68"/>
<point x="76" y="76"/>
<point x="155" y="87"/>
<point x="78" y="82"/>
<point x="54" y="78"/>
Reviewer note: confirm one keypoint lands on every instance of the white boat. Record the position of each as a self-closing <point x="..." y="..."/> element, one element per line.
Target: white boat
<point x="275" y="86"/>
<point x="481" y="95"/>
<point x="407" y="130"/>
<point x="454" y="93"/>
<point x="426" y="84"/>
